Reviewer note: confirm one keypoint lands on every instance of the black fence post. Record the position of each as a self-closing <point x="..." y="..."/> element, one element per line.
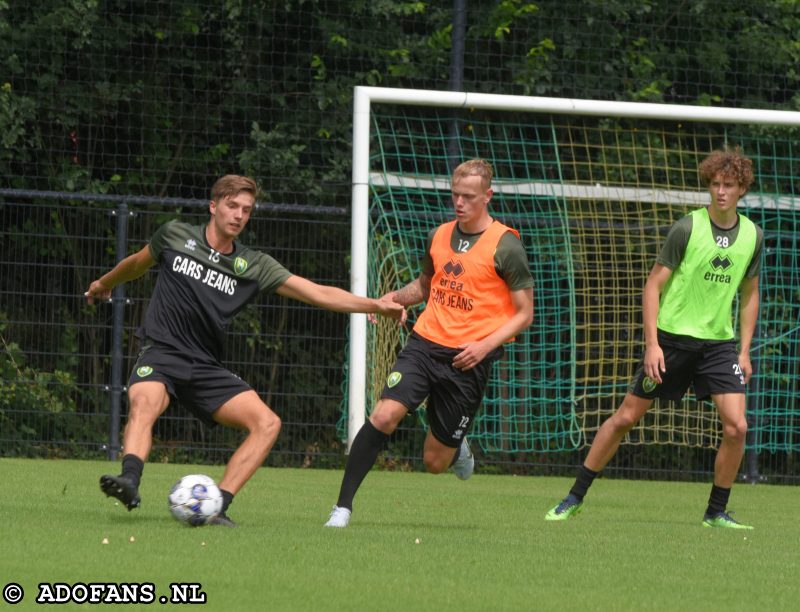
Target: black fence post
<point x="117" y="325"/>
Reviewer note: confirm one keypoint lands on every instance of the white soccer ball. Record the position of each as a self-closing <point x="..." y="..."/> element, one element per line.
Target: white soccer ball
<point x="195" y="499"/>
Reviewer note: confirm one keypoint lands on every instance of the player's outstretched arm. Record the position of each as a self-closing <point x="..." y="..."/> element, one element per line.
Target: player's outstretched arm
<point x="338" y="300"/>
<point x="415" y="292"/>
<point x="748" y="314"/>
<point x="130" y="268"/>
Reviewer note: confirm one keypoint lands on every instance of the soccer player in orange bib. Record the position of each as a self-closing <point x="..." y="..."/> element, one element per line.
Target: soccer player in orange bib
<point x="479" y="293"/>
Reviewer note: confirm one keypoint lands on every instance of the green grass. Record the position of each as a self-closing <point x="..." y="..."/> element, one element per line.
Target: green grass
<point x="483" y="544"/>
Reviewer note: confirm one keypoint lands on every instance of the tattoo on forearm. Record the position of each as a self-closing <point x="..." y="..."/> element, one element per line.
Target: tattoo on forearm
<point x="413" y="293"/>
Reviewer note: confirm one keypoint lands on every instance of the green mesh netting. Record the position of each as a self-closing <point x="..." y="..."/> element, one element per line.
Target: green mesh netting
<point x="593" y="200"/>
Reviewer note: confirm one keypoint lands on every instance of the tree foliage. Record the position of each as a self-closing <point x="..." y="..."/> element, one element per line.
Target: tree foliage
<point x="156" y="98"/>
<point x="159" y="97"/>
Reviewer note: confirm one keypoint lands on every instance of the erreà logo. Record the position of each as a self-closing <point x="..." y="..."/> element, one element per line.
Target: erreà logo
<point x="721" y="262"/>
<point x="239" y="265"/>
<point x="453" y="268"/>
<point x="144" y="371"/>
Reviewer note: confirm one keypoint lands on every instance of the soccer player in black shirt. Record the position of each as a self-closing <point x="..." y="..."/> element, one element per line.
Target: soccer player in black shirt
<point x="205" y="278"/>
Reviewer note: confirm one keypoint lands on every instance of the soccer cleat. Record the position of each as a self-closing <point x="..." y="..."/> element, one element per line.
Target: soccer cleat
<point x="566" y="508"/>
<point x="465" y="464"/>
<point x="340" y="517"/>
<point x="723" y="519"/>
<point x="122" y="489"/>
<point x="221" y="520"/>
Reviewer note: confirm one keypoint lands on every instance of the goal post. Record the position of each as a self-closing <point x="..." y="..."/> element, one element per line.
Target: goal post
<point x="588" y="196"/>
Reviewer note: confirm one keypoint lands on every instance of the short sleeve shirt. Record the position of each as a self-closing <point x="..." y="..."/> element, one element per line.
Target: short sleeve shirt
<point x="200" y="290"/>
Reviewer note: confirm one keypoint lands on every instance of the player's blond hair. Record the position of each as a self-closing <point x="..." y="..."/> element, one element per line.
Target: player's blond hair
<point x="475" y="167"/>
<point x="731" y="163"/>
<point x="231" y="185"/>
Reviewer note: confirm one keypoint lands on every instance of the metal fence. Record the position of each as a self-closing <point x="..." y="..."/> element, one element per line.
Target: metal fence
<point x="65" y="364"/>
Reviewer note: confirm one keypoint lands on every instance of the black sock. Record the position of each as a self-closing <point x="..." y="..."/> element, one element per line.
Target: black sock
<point x="718" y="500"/>
<point x="583" y="482"/>
<point x="132" y="468"/>
<point x="368" y="443"/>
<point x="227" y="499"/>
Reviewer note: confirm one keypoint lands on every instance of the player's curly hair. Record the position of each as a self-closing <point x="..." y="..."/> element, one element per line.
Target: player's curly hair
<point x="230" y="185"/>
<point x="732" y="163"/>
<point x="475" y="167"/>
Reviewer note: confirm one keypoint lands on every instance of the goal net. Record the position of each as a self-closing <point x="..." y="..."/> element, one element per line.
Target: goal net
<point x="592" y="193"/>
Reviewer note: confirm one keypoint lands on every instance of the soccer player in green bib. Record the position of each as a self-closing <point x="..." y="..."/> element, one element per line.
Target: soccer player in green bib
<point x="206" y="276"/>
<point x="708" y="256"/>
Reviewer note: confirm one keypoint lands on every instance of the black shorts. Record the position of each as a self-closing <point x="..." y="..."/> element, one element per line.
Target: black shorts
<point x="200" y="386"/>
<point x="425" y="369"/>
<point x="712" y="366"/>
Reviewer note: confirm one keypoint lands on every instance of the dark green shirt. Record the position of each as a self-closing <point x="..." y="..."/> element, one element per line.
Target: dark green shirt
<point x="510" y="259"/>
<point x="200" y="290"/>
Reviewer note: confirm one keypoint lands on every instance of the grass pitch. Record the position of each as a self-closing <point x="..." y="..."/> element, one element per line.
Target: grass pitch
<point x="416" y="542"/>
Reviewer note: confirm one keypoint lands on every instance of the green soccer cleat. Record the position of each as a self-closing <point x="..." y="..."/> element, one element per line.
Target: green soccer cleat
<point x="566" y="508"/>
<point x="725" y="520"/>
